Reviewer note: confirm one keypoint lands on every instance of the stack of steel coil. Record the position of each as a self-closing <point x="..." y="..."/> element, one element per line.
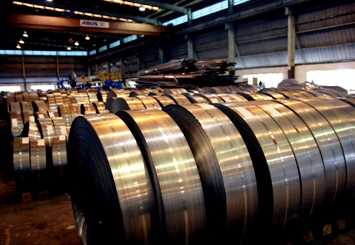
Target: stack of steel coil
<point x="237" y="172"/>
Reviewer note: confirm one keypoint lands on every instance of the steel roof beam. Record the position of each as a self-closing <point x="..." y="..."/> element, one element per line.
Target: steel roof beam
<point x="73" y="24"/>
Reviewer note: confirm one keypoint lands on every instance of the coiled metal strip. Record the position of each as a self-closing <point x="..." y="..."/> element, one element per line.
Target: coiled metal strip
<point x="329" y="146"/>
<point x="15" y="107"/>
<point x="149" y="103"/>
<point x="39" y="106"/>
<point x="179" y="99"/>
<point x="19" y="97"/>
<point x="38" y="154"/>
<point x="279" y="193"/>
<point x="211" y="98"/>
<point x="21" y="154"/>
<point x="174" y="174"/>
<point x="225" y="167"/>
<point x="341" y="117"/>
<point x="99" y="106"/>
<point x="26" y="106"/>
<point x="16" y="123"/>
<point x="307" y="155"/>
<point x="128" y="103"/>
<point x="102" y="153"/>
<point x="102" y="96"/>
<point x="87" y="109"/>
<point x="164" y="100"/>
<point x="194" y="98"/>
<point x="59" y="151"/>
<point x="274" y="94"/>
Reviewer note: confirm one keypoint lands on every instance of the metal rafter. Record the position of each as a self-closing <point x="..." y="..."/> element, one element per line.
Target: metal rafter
<point x="162" y="5"/>
<point x="96" y="11"/>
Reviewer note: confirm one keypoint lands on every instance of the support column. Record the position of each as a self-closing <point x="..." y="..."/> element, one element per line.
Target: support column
<point x="57" y="62"/>
<point x="190" y="47"/>
<point x="139" y="61"/>
<point x="230" y="6"/>
<point x="291" y="41"/>
<point x="231" y="42"/>
<point x="24" y="72"/>
<point x="161" y="55"/>
<point x="189" y="16"/>
<point x="122" y="68"/>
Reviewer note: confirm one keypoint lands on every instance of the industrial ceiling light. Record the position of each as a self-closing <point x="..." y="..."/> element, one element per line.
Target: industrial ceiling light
<point x="76" y="43"/>
<point x="18" y="46"/>
<point x="87" y="37"/>
<point x="68" y="48"/>
<point x="25" y="34"/>
<point x="49" y="0"/>
<point x="142" y="8"/>
<point x="21" y="41"/>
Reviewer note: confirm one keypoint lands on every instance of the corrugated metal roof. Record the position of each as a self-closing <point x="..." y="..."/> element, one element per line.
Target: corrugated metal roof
<point x="329" y="54"/>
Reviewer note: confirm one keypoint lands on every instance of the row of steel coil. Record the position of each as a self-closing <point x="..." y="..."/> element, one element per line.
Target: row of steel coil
<point x="227" y="168"/>
<point x="40" y="123"/>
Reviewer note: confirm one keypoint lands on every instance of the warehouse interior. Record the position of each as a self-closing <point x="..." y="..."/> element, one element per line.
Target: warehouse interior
<point x="73" y="74"/>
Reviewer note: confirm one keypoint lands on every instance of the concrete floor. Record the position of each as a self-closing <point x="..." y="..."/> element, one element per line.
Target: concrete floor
<point x="49" y="222"/>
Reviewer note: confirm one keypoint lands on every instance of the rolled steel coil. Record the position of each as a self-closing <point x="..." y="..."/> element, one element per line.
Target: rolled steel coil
<point x="274" y="163"/>
<point x="341" y="116"/>
<point x="164" y="100"/>
<point x="16" y="123"/>
<point x="149" y="102"/>
<point x="21" y="154"/>
<point x="329" y="146"/>
<point x="99" y="106"/>
<point x="273" y="94"/>
<point x="196" y="98"/>
<point x="19" y="97"/>
<point x="87" y="109"/>
<point x="307" y="155"/>
<point x="39" y="106"/>
<point x="59" y="151"/>
<point x="179" y="99"/>
<point x="38" y="154"/>
<point x="174" y="175"/>
<point x="226" y="171"/>
<point x="15" y="106"/>
<point x="211" y="98"/>
<point x="102" y="96"/>
<point x="128" y="103"/>
<point x="112" y="196"/>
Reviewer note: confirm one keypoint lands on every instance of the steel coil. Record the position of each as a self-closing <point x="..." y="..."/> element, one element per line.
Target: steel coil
<point x="174" y="175"/>
<point x="59" y="151"/>
<point x="179" y="99"/>
<point x="21" y="154"/>
<point x="274" y="163"/>
<point x="112" y="197"/>
<point x="329" y="146"/>
<point x="225" y="167"/>
<point x="128" y="103"/>
<point x="38" y="155"/>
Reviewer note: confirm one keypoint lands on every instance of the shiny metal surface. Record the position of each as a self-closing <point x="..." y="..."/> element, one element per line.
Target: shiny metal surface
<point x="174" y="174"/>
<point x="59" y="151"/>
<point x="38" y="154"/>
<point x="128" y="103"/>
<point x="164" y="100"/>
<point x="329" y="146"/>
<point x="226" y="167"/>
<point x="179" y="99"/>
<point x="211" y="98"/>
<point x="126" y="193"/>
<point x="341" y="116"/>
<point x="281" y="164"/>
<point x="16" y="123"/>
<point x="87" y="109"/>
<point x="273" y="94"/>
<point x="21" y="154"/>
<point x="307" y="155"/>
<point x="149" y="102"/>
